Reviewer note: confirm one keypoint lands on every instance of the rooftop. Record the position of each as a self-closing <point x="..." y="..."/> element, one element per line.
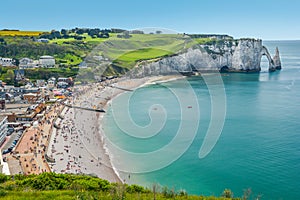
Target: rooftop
<point x="46" y="57"/>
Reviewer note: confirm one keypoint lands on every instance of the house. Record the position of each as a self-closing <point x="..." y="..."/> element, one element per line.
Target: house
<point x="47" y="62"/>
<point x="69" y="81"/>
<point x="62" y="84"/>
<point x="19" y="74"/>
<point x="22" y="113"/>
<point x="6" y="62"/>
<point x="30" y="89"/>
<point x="28" y="63"/>
<point x="51" y="83"/>
<point x="3" y="129"/>
<point x="31" y="97"/>
<point x="11" y="94"/>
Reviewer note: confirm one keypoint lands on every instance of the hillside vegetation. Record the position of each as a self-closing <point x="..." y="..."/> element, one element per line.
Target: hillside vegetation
<point x="104" y="52"/>
<point x="67" y="186"/>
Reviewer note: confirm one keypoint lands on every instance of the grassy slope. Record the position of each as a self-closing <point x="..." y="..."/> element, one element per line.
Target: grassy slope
<point x="68" y="186"/>
<point x="71" y="195"/>
<point x="126" y="52"/>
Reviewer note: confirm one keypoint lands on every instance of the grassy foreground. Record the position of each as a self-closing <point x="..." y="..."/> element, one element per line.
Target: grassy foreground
<point x="67" y="186"/>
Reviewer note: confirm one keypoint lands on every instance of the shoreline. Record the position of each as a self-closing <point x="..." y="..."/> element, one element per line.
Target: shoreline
<point x="138" y="83"/>
<point x="82" y="131"/>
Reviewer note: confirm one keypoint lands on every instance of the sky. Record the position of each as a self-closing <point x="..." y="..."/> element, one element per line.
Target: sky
<point x="265" y="19"/>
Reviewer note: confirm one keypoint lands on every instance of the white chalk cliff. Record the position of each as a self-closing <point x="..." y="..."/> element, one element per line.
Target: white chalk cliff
<point x="243" y="55"/>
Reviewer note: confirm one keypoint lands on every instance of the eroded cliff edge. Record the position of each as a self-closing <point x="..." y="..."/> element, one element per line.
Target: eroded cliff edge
<point x="243" y="55"/>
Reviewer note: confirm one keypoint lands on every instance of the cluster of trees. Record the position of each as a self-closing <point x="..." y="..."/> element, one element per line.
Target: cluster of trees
<point x="44" y="73"/>
<point x="31" y="50"/>
<point x="7" y="75"/>
<point x="76" y="33"/>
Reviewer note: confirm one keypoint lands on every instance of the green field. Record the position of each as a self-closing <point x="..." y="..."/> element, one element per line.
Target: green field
<point x="130" y="58"/>
<point x="19" y="33"/>
<point x="127" y="52"/>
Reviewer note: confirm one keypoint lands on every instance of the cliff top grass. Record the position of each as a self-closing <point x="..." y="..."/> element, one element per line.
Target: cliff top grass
<point x="68" y="186"/>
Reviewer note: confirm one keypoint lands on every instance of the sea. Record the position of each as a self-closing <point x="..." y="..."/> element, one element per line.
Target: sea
<point x="247" y="123"/>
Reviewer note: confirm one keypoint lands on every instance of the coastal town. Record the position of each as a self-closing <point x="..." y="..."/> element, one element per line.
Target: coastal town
<point x="54" y="125"/>
<point x="37" y="124"/>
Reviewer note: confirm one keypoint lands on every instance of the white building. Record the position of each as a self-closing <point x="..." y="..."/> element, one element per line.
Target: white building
<point x="3" y="129"/>
<point x="47" y="61"/>
<point x="43" y="40"/>
<point x="28" y="63"/>
<point x="6" y="62"/>
<point x="51" y="82"/>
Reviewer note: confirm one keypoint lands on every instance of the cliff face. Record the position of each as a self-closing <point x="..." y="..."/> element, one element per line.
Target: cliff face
<point x="242" y="55"/>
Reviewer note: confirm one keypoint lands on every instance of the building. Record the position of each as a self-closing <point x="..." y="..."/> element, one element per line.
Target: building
<point x="31" y="97"/>
<point x="23" y="113"/>
<point x="30" y="89"/>
<point x="47" y="62"/>
<point x="51" y="83"/>
<point x="40" y="83"/>
<point x="11" y="93"/>
<point x="69" y="81"/>
<point x="44" y="40"/>
<point x="6" y="62"/>
<point x="28" y="63"/>
<point x="3" y="129"/>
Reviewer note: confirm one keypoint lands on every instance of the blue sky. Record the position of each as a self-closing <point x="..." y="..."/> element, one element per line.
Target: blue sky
<point x="266" y="19"/>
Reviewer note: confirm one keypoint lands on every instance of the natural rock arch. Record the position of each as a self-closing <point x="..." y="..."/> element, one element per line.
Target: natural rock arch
<point x="265" y="52"/>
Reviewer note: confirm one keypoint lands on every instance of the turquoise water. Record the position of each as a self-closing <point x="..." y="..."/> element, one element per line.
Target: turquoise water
<point x="259" y="146"/>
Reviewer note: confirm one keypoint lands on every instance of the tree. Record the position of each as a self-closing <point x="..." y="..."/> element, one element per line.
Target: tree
<point x="55" y="34"/>
<point x="158" y="32"/>
<point x="92" y="32"/>
<point x="80" y="31"/>
<point x="9" y="76"/>
<point x="64" y="32"/>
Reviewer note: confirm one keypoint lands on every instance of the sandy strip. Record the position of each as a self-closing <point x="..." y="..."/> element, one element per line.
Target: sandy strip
<point x="78" y="146"/>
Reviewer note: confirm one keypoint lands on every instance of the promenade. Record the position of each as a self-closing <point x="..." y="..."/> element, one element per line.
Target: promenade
<point x="29" y="154"/>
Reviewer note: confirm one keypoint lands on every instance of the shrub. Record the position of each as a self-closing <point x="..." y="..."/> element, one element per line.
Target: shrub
<point x="135" y="189"/>
<point x="3" y="178"/>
